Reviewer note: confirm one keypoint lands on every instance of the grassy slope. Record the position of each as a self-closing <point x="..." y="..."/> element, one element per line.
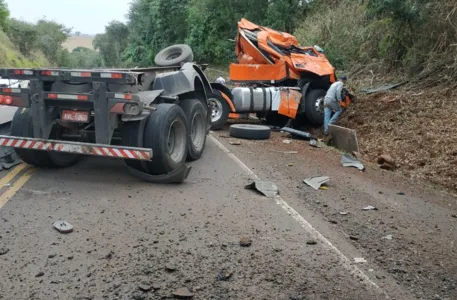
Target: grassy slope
<point x="11" y="57"/>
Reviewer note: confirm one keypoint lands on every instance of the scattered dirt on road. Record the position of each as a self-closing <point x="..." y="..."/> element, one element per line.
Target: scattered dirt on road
<point x="417" y="127"/>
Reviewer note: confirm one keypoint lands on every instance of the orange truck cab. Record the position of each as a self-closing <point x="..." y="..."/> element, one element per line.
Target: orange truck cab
<point x="276" y="78"/>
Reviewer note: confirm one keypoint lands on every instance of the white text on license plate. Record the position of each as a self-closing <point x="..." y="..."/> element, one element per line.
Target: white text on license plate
<point x="75" y="116"/>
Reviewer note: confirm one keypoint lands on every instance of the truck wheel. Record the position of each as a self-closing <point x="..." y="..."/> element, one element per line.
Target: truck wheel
<point x="166" y="134"/>
<point x="314" y="106"/>
<point x="220" y="110"/>
<point x="174" y="56"/>
<point x="196" y="123"/>
<point x="129" y="136"/>
<point x="22" y="125"/>
<point x="250" y="132"/>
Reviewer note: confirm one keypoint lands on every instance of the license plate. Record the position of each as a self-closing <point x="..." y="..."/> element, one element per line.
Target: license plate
<point x="75" y="116"/>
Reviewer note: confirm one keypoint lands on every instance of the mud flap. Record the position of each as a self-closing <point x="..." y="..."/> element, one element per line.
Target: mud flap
<point x="177" y="176"/>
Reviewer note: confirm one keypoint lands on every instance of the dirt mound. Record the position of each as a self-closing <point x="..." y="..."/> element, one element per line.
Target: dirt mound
<point x="417" y="128"/>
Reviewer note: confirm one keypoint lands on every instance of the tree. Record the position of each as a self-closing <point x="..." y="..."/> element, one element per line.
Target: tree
<point x="4" y="14"/>
<point x="51" y="35"/>
<point x="112" y="43"/>
<point x="24" y="35"/>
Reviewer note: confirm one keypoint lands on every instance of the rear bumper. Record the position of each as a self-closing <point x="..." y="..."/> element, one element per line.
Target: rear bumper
<point x="77" y="148"/>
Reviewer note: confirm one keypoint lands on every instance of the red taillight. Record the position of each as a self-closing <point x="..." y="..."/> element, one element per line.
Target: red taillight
<point x="18" y="72"/>
<point x="8" y="100"/>
<point x="53" y="96"/>
<point x="116" y="75"/>
<point x="1" y="99"/>
<point x="82" y="97"/>
<point x="128" y="97"/>
<point x="86" y="74"/>
<point x="49" y="73"/>
<point x="6" y="90"/>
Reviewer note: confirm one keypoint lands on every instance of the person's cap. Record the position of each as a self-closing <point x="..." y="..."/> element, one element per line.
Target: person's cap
<point x="343" y="77"/>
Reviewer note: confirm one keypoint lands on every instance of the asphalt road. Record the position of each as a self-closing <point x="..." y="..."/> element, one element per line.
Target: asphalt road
<point x="136" y="240"/>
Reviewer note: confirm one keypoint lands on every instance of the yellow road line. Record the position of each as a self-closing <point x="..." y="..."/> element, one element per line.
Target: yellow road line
<point x="10" y="176"/>
<point x="15" y="187"/>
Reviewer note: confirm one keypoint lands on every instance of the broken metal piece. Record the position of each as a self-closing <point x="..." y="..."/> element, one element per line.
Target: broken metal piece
<point x="343" y="138"/>
<point x="349" y="161"/>
<point x="359" y="260"/>
<point x="63" y="226"/>
<point x="268" y="189"/>
<point x="383" y="88"/>
<point x="370" y="207"/>
<point x="302" y="134"/>
<point x="316" y="182"/>
<point x="315" y="143"/>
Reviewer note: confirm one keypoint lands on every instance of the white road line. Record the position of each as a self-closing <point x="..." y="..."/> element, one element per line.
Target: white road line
<point x="346" y="262"/>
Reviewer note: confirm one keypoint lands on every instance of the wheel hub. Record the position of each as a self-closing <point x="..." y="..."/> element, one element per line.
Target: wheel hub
<point x="216" y="109"/>
<point x="319" y="105"/>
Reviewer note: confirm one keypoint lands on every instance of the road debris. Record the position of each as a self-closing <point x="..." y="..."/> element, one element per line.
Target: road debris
<point x="388" y="237"/>
<point x="401" y="194"/>
<point x="454" y="216"/>
<point x="311" y="242"/>
<point x="317" y="182"/>
<point x="369" y="207"/>
<point x="63" y="226"/>
<point x="3" y="251"/>
<point x="315" y="143"/>
<point x="234" y="143"/>
<point x="382" y="88"/>
<point x="109" y="255"/>
<point x="290" y="164"/>
<point x="145" y="287"/>
<point x="353" y="237"/>
<point x="170" y="267"/>
<point x="386" y="162"/>
<point x="287" y="142"/>
<point x="245" y="242"/>
<point x="224" y="275"/>
<point x="343" y="138"/>
<point x="360" y="260"/>
<point x="344" y="213"/>
<point x="268" y="189"/>
<point x="350" y="161"/>
<point x="183" y="293"/>
<point x="39" y="274"/>
<point x="297" y="133"/>
<point x="286" y="152"/>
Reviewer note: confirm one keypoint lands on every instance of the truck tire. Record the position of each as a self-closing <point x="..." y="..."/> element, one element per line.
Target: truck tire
<point x="129" y="136"/>
<point x="314" y="106"/>
<point x="174" y="56"/>
<point x="166" y="134"/>
<point x="22" y="125"/>
<point x="250" y="132"/>
<point x="196" y="115"/>
<point x="220" y="110"/>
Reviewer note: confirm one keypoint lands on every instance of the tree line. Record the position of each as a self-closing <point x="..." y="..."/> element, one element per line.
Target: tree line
<point x="208" y="26"/>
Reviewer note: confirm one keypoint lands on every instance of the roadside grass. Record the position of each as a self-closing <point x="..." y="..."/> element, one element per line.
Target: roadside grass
<point x="11" y="57"/>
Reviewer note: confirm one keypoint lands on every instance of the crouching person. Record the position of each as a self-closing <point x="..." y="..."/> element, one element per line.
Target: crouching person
<point x="332" y="102"/>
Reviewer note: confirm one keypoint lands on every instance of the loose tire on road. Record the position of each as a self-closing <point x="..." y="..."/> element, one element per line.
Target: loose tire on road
<point x="196" y="115"/>
<point x="220" y="110"/>
<point x="166" y="134"/>
<point x="314" y="106"/>
<point x="250" y="132"/>
<point x="174" y="56"/>
<point x="22" y="125"/>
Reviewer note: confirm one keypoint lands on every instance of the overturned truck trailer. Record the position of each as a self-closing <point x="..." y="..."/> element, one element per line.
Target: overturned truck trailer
<point x="154" y="118"/>
<point x="283" y="81"/>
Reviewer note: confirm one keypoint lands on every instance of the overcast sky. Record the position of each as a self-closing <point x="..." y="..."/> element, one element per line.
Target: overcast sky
<point x="87" y="16"/>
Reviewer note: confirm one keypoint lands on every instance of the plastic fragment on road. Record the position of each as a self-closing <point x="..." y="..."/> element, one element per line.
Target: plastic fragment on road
<point x="235" y="143"/>
<point x="268" y="189"/>
<point x="63" y="226"/>
<point x="360" y="260"/>
<point x="315" y="143"/>
<point x="344" y="213"/>
<point x="369" y="207"/>
<point x="388" y="237"/>
<point x="317" y="182"/>
<point x="302" y="134"/>
<point x="323" y="187"/>
<point x="350" y="161"/>
<point x="287" y="142"/>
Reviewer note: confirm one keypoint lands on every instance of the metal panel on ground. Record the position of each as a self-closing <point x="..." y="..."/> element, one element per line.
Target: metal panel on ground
<point x="344" y="138"/>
